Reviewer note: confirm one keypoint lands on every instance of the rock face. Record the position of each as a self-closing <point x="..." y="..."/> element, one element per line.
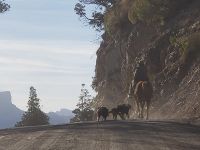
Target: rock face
<point x="170" y="50"/>
<point x="9" y="113"/>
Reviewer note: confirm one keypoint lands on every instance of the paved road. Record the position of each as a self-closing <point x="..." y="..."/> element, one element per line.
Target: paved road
<point x="110" y="135"/>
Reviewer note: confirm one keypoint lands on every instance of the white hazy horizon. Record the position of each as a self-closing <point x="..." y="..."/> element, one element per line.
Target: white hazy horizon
<point x="43" y="44"/>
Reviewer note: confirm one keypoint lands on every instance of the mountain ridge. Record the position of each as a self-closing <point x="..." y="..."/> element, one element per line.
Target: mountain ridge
<point x="11" y="114"/>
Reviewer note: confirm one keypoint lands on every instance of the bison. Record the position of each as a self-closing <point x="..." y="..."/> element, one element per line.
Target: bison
<point x="123" y="110"/>
<point x="102" y="111"/>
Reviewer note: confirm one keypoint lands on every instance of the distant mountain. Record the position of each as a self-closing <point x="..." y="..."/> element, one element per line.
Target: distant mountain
<point x="9" y="113"/>
<point x="60" y="117"/>
<point x="64" y="112"/>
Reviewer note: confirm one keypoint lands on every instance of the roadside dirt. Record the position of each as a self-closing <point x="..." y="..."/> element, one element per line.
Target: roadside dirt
<point x="109" y="135"/>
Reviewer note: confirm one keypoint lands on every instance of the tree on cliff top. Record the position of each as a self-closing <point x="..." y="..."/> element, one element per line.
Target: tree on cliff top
<point x="84" y="111"/>
<point x="34" y="115"/>
<point x="96" y="19"/>
<point x="3" y="6"/>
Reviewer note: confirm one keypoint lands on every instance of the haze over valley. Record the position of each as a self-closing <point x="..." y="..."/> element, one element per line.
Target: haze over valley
<point x="10" y="114"/>
<point x="43" y="44"/>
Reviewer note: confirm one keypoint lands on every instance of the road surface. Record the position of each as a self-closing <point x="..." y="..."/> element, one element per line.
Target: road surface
<point x="109" y="135"/>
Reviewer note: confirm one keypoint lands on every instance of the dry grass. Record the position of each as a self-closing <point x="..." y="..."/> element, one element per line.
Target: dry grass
<point x="149" y="11"/>
<point x="116" y="17"/>
<point x="191" y="48"/>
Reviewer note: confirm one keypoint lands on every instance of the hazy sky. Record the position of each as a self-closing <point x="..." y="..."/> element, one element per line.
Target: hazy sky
<point x="43" y="44"/>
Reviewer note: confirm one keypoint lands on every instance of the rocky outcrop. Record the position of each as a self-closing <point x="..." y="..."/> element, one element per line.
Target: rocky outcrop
<point x="171" y="52"/>
<point x="9" y="113"/>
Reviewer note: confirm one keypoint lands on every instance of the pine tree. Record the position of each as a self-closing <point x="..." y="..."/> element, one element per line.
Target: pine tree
<point x="4" y="6"/>
<point x="96" y="17"/>
<point x="84" y="111"/>
<point x="34" y="115"/>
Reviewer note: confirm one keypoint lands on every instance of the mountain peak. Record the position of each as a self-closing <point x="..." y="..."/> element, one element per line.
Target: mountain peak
<point x="64" y="112"/>
<point x="5" y="98"/>
<point x="9" y="113"/>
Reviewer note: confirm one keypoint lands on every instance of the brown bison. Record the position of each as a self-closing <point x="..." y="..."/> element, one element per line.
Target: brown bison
<point x="102" y="111"/>
<point x="121" y="110"/>
<point x="143" y="93"/>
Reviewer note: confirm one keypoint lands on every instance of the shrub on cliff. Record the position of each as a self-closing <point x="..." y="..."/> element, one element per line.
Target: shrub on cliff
<point x="116" y="20"/>
<point x="192" y="48"/>
<point x="148" y="11"/>
<point x="125" y="12"/>
<point x="94" y="18"/>
<point x="189" y="47"/>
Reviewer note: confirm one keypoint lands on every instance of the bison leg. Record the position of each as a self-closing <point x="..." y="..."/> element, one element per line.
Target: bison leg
<point x="148" y="105"/>
<point x="121" y="116"/>
<point x="115" y="117"/>
<point x="128" y="115"/>
<point x="98" y="118"/>
<point x="142" y="109"/>
<point x="138" y="108"/>
<point x="105" y="117"/>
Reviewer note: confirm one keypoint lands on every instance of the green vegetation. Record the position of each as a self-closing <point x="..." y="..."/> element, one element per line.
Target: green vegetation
<point x="84" y="111"/>
<point x="33" y="116"/>
<point x="189" y="47"/>
<point x="148" y="11"/>
<point x="180" y="42"/>
<point x="139" y="10"/>
<point x="3" y="6"/>
<point x="116" y="19"/>
<point x="111" y="21"/>
<point x="113" y="15"/>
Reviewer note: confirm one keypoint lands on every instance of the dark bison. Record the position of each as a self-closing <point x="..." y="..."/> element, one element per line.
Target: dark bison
<point x="114" y="113"/>
<point x="102" y="111"/>
<point x="123" y="110"/>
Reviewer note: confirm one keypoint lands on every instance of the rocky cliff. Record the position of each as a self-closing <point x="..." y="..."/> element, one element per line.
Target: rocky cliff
<point x="166" y="35"/>
<point x="9" y="113"/>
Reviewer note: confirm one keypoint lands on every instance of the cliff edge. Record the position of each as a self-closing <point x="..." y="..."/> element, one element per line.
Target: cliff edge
<point x="166" y="35"/>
